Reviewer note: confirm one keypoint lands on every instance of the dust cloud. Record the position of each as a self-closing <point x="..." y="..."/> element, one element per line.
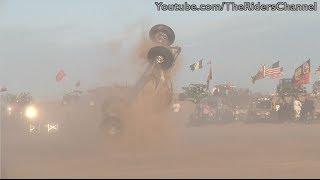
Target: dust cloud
<point x="146" y="125"/>
<point x="156" y="142"/>
<point x="146" y="120"/>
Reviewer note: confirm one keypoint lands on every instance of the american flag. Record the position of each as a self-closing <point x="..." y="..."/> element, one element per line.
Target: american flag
<point x="275" y="71"/>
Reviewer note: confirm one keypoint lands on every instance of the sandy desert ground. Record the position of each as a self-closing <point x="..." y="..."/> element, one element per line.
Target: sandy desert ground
<point x="234" y="150"/>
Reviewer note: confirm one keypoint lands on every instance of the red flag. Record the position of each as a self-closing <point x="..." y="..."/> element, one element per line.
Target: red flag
<point x="302" y="74"/>
<point x="60" y="75"/>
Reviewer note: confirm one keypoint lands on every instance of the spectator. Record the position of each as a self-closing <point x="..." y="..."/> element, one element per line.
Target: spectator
<point x="176" y="107"/>
<point x="308" y="109"/>
<point x="297" y="108"/>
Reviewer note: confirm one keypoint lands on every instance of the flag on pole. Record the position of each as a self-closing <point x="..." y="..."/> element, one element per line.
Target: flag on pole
<point x="302" y="74"/>
<point x="60" y="75"/>
<point x="260" y="74"/>
<point x="275" y="71"/>
<point x="197" y="65"/>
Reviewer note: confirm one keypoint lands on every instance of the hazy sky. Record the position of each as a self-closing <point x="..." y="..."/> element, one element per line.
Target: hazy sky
<point x="38" y="37"/>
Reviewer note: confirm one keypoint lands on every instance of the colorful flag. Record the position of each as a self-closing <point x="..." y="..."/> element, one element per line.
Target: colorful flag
<point x="260" y="74"/>
<point x="197" y="65"/>
<point x="275" y="71"/>
<point x="60" y="75"/>
<point x="302" y="74"/>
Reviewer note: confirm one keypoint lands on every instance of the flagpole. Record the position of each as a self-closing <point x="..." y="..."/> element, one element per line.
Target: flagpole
<point x="310" y="72"/>
<point x="209" y="77"/>
<point x="1" y="119"/>
<point x="2" y="175"/>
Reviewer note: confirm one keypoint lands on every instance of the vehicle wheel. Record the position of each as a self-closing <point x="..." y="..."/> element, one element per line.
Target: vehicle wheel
<point x="112" y="126"/>
<point x="162" y="34"/>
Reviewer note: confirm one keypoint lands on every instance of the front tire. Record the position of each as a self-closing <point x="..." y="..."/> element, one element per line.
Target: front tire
<point x="112" y="126"/>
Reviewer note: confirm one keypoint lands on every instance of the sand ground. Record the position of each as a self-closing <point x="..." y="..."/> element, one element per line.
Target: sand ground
<point x="234" y="150"/>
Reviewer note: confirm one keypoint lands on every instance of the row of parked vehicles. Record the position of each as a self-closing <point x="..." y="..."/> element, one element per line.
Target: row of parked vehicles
<point x="263" y="109"/>
<point x="235" y="105"/>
